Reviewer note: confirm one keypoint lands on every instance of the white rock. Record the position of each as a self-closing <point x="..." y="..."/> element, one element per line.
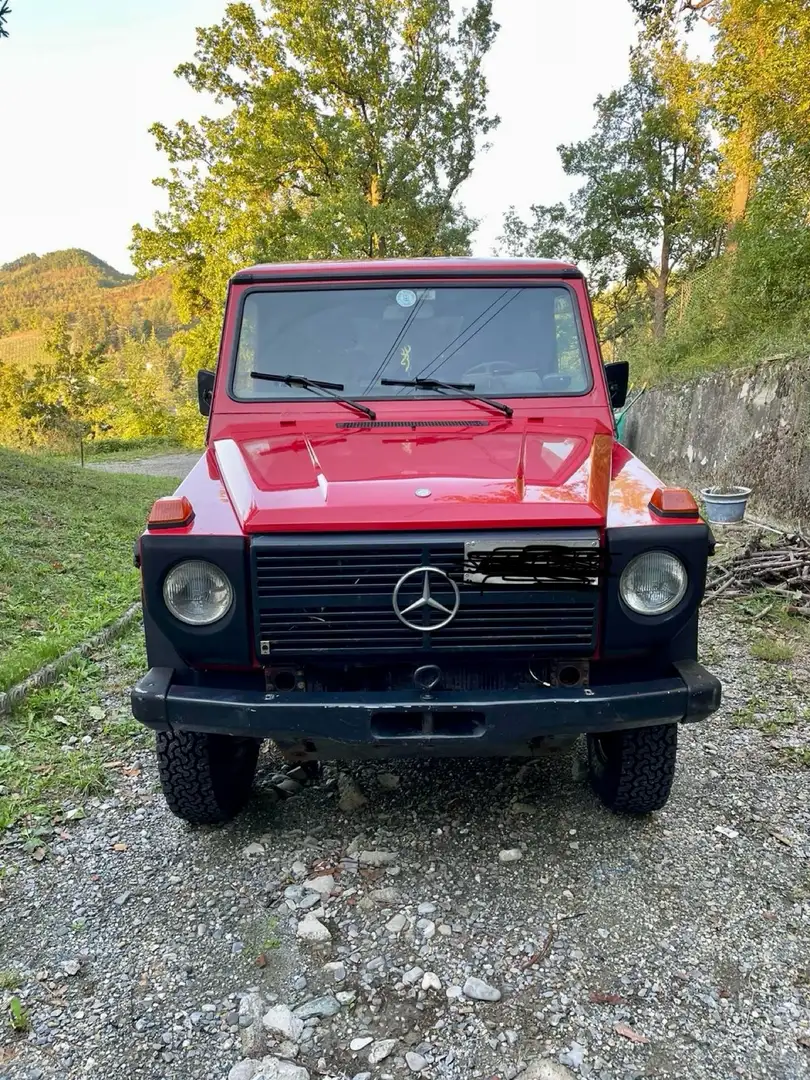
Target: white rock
<point x="362" y="1076"/>
<point x="480" y="991"/>
<point x="346" y="997"/>
<point x="426" y="909"/>
<point x="245" y="1070"/>
<point x="546" y="1069"/>
<point x="454" y="992"/>
<point x="253" y="849"/>
<point x="431" y="981"/>
<point x="415" y="1062"/>
<point x="413" y="975"/>
<point x="324" y="884"/>
<point x="361" y="1043"/>
<point x="381" y="1050"/>
<point x="388" y="780"/>
<point x="510" y="855"/>
<point x="336" y="969"/>
<point x="573" y="1057"/>
<point x="397" y="924"/>
<point x="724" y="830"/>
<point x="273" y="1068"/>
<point x="426" y="929"/>
<point x="377" y="858"/>
<point x="523" y="808"/>
<point x="281" y="1021"/>
<point x="298" y="869"/>
<point x="310" y="929"/>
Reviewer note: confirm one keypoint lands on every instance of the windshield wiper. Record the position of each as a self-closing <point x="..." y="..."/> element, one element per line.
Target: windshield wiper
<point x="436" y="384"/>
<point x="315" y="385"/>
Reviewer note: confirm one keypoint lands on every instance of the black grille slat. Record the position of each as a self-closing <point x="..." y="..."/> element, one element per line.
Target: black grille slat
<point x="316" y="597"/>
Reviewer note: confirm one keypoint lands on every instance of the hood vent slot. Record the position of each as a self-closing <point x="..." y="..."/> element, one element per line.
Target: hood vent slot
<point x="411" y="423"/>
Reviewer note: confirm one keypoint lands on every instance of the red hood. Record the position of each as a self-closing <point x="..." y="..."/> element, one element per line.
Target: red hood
<point x="501" y="475"/>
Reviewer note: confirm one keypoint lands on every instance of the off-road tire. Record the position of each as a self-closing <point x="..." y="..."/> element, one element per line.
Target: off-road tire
<point x="632" y="771"/>
<point x="206" y="779"/>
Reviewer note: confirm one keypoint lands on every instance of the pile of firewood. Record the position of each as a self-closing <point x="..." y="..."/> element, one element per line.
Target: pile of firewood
<point x="773" y="561"/>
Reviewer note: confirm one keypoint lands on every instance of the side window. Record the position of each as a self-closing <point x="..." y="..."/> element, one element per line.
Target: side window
<point x="569" y="355"/>
<point x="243" y="385"/>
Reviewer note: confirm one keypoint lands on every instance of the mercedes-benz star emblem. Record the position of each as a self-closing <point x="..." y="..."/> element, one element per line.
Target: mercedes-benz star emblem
<point x="427" y="613"/>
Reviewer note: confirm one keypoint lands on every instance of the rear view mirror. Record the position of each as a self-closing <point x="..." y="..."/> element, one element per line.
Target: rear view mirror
<point x="618" y="378"/>
<point x="205" y="391"/>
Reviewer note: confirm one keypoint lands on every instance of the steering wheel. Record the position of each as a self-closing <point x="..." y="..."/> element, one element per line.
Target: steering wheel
<point x="492" y="367"/>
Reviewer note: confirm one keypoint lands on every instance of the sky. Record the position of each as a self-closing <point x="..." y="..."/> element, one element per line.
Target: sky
<point x="82" y="81"/>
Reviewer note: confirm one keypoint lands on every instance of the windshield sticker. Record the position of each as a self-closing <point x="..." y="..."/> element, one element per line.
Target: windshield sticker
<point x="406" y="297"/>
<point x="406" y="357"/>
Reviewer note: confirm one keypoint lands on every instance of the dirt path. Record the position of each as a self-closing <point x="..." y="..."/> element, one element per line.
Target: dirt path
<point x="677" y="946"/>
<point x="179" y="465"/>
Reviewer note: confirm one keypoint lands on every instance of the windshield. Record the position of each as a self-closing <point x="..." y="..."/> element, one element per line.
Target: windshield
<point x="500" y="341"/>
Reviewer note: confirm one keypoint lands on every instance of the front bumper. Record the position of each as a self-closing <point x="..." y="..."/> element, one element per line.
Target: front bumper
<point x="359" y="725"/>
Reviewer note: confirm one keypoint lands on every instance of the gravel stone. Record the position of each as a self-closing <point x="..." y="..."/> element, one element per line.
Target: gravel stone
<point x="546" y="1069"/>
<point x="336" y="969"/>
<point x="325" y="884"/>
<point x="385" y="896"/>
<point x="281" y="1021"/>
<point x="415" y="1062"/>
<point x="388" y="781"/>
<point x="245" y="1070"/>
<point x="397" y="924"/>
<point x="413" y="975"/>
<point x="325" y="1006"/>
<point x="480" y="991"/>
<point x="381" y="1050"/>
<point x="310" y="929"/>
<point x="377" y="858"/>
<point x="273" y="1068"/>
<point x="252" y="1033"/>
<point x="431" y="981"/>
<point x="510" y="855"/>
<point x="361" y="1043"/>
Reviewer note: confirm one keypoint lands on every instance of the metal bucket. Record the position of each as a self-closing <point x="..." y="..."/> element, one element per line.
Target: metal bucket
<point x="725" y="505"/>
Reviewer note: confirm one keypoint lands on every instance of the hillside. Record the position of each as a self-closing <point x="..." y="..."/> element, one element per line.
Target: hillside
<point x="99" y="301"/>
<point x="65" y="555"/>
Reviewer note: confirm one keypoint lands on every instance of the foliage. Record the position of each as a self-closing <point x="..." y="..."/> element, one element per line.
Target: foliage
<point x="66" y="538"/>
<point x="645" y="206"/>
<point x="5" y="11"/>
<point x="95" y="392"/>
<point x="351" y="128"/>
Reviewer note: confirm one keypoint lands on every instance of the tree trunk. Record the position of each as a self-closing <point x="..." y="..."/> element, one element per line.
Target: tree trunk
<point x="660" y="292"/>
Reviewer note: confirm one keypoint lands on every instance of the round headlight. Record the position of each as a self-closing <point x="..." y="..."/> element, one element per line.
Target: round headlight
<point x="197" y="592"/>
<point x="653" y="583"/>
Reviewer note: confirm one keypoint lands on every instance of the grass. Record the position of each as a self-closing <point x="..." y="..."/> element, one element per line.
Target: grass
<point x="58" y="744"/>
<point x="66" y="570"/>
<point x="10" y="980"/>
<point x="18" y="1017"/>
<point x="795" y="755"/>
<point x="772" y="650"/>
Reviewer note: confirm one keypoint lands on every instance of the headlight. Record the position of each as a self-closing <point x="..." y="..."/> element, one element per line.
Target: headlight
<point x="197" y="592"/>
<point x="653" y="583"/>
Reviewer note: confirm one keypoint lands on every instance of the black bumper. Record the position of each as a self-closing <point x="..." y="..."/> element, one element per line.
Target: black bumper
<point x="357" y="725"/>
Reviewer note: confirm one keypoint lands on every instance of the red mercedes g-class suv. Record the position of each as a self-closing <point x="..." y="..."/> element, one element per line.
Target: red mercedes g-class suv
<point x="413" y="532"/>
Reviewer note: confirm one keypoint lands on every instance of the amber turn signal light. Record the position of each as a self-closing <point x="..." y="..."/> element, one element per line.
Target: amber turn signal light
<point x="170" y="512"/>
<point x="674" y="503"/>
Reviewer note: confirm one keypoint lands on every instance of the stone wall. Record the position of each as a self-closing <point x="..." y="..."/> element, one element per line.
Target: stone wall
<point x="748" y="426"/>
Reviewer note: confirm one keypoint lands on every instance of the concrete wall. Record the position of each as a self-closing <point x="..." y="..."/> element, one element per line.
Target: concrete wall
<point x="749" y="426"/>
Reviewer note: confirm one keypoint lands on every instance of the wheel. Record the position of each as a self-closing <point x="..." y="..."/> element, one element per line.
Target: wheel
<point x="206" y="779"/>
<point x="632" y="771"/>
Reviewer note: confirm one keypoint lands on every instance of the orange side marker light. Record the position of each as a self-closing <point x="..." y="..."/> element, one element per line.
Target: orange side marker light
<point x="674" y="503"/>
<point x="170" y="512"/>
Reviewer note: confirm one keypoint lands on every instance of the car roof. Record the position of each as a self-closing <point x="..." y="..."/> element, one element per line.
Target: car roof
<point x="365" y="269"/>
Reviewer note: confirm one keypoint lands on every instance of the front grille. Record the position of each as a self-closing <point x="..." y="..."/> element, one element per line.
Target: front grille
<point x="316" y="596"/>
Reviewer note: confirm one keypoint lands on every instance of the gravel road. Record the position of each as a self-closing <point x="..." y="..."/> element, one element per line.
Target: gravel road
<point x="179" y="465"/>
<point x="677" y="946"/>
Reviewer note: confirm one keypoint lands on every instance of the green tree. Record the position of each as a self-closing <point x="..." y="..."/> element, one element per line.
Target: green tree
<point x="646" y="206"/>
<point x="351" y="125"/>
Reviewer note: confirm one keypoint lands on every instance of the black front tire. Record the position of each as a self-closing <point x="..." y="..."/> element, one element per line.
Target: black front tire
<point x="632" y="771"/>
<point x="206" y="779"/>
